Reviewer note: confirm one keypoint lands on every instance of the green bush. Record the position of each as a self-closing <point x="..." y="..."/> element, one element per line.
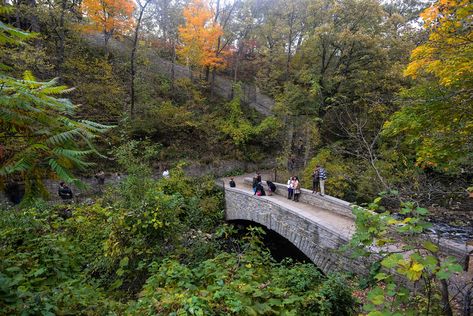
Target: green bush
<point x="248" y="283"/>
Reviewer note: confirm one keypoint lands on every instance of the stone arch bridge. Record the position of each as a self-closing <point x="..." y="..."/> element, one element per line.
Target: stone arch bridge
<point x="317" y="225"/>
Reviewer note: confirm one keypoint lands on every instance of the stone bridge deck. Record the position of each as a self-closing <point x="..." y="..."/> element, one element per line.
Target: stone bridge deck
<point x="316" y="225"/>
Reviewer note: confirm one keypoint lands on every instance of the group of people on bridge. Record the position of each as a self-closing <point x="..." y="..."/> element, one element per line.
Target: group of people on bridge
<point x="258" y="188"/>
<point x="293" y="185"/>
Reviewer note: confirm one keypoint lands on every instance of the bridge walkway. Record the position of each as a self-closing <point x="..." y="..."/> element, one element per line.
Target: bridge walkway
<point x="341" y="224"/>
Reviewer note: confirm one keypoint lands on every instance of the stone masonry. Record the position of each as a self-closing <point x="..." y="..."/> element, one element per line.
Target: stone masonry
<point x="317" y="235"/>
<point x="319" y="243"/>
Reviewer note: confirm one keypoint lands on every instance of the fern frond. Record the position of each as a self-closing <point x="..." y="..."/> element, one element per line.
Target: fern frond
<point x="96" y="125"/>
<point x="58" y="90"/>
<point x="63" y="137"/>
<point x="74" y="156"/>
<point x="19" y="166"/>
<point x="28" y="76"/>
<point x="60" y="171"/>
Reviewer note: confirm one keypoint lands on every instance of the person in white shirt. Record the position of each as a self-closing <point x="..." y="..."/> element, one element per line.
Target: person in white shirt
<point x="290" y="188"/>
<point x="166" y="173"/>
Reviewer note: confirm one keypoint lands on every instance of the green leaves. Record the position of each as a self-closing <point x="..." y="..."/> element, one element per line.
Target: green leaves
<point x="41" y="140"/>
<point x="447" y="268"/>
<point x="407" y="254"/>
<point x="226" y="285"/>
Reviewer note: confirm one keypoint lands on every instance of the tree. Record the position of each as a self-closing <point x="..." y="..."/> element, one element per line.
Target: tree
<point x="448" y="52"/>
<point x="435" y="119"/>
<point x="199" y="37"/>
<point x="40" y="138"/>
<point x="142" y="8"/>
<point x="109" y="16"/>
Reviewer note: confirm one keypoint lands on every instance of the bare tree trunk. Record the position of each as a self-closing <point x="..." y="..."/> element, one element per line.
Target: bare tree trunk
<point x="17" y="14"/>
<point x="207" y="73"/>
<point x="173" y="62"/>
<point x="34" y="22"/>
<point x="447" y="309"/>
<point x="133" y="56"/>
<point x="62" y="38"/>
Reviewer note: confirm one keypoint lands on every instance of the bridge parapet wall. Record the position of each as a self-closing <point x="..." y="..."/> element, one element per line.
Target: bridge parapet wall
<point x="248" y="206"/>
<point x="319" y="243"/>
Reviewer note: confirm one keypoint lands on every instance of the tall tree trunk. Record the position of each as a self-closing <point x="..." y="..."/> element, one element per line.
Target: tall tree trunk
<point x="33" y="18"/>
<point x="289" y="42"/>
<point x="17" y="14"/>
<point x="61" y="33"/>
<point x="446" y="308"/>
<point x="173" y="62"/>
<point x="133" y="57"/>
<point x="207" y="73"/>
<point x="212" y="83"/>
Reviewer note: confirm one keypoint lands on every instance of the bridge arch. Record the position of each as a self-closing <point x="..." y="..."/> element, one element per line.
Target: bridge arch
<point x="318" y="242"/>
<point x="280" y="247"/>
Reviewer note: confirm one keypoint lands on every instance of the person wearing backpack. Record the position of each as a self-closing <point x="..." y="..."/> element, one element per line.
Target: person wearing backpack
<point x="271" y="186"/>
<point x="322" y="178"/>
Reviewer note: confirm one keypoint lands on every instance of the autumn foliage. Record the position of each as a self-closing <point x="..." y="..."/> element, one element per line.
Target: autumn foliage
<point x="448" y="53"/>
<point x="200" y="36"/>
<point x="109" y="16"/>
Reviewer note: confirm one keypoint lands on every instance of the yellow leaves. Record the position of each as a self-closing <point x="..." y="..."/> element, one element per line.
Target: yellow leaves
<point x="411" y="269"/>
<point x="200" y="36"/>
<point x="429" y="15"/>
<point x="447" y="54"/>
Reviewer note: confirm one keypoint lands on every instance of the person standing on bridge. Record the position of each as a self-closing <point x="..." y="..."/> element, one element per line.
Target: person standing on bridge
<point x="297" y="189"/>
<point x="315" y="181"/>
<point x="258" y="177"/>
<point x="290" y="188"/>
<point x="322" y="178"/>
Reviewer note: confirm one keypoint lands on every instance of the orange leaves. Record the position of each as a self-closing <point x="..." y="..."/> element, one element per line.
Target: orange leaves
<point x="200" y="36"/>
<point x="447" y="54"/>
<point x="109" y="16"/>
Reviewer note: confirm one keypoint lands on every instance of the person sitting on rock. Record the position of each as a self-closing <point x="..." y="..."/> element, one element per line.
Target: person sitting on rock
<point x="232" y="183"/>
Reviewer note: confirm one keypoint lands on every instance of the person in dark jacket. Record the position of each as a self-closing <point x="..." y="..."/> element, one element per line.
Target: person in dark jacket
<point x="260" y="189"/>
<point x="232" y="183"/>
<point x="14" y="192"/>
<point x="64" y="192"/>
<point x="271" y="186"/>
